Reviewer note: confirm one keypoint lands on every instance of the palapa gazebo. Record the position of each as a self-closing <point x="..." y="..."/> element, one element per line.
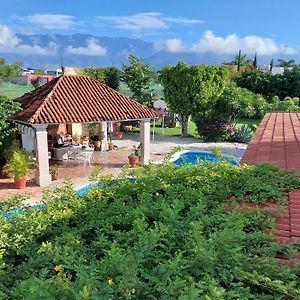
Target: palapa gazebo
<point x="75" y="100"/>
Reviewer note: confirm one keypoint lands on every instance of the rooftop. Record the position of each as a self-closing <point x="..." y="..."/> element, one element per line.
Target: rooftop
<point x="78" y="99"/>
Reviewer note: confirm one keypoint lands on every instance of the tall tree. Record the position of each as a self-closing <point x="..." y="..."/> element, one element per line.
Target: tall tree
<point x="255" y="61"/>
<point x="8" y="70"/>
<point x="271" y="65"/>
<point x="190" y="90"/>
<point x="241" y="60"/>
<point x="139" y="77"/>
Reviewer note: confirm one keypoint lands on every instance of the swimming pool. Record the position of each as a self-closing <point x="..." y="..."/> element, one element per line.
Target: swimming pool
<point x="191" y="156"/>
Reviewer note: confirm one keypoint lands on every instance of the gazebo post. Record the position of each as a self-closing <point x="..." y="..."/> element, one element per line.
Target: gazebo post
<point x="145" y="141"/>
<point x="103" y="128"/>
<point x="41" y="147"/>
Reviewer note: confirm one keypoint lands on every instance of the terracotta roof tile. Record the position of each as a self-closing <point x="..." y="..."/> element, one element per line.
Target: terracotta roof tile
<point x="277" y="140"/>
<point x="78" y="99"/>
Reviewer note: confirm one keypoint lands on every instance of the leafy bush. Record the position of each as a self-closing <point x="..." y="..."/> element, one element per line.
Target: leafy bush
<point x="212" y="129"/>
<point x="173" y="233"/>
<point x="18" y="163"/>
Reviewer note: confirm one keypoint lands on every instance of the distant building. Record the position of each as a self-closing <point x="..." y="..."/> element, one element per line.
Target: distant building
<point x="54" y="73"/>
<point x="275" y="70"/>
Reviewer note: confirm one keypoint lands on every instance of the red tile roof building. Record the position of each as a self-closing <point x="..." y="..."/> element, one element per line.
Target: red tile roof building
<point x="277" y="140"/>
<point x="78" y="99"/>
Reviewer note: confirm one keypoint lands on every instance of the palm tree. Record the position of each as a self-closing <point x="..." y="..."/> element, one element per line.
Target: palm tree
<point x="241" y="60"/>
<point x="286" y="63"/>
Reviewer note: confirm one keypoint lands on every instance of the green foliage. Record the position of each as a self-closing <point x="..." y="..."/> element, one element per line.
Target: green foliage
<point x="268" y="85"/>
<point x="241" y="134"/>
<point x="173" y="233"/>
<point x="109" y="76"/>
<point x="193" y="90"/>
<point x="8" y="107"/>
<point x="239" y="102"/>
<point x="139" y="78"/>
<point x="39" y="72"/>
<point x="18" y="163"/>
<point x="7" y="70"/>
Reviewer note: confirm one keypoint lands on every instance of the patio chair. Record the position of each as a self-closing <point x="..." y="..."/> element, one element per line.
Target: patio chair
<point x="85" y="157"/>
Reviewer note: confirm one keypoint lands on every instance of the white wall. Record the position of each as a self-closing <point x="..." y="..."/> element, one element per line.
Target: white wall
<point x="28" y="142"/>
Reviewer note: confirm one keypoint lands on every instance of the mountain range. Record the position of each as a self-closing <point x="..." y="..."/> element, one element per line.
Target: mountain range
<point x="86" y="50"/>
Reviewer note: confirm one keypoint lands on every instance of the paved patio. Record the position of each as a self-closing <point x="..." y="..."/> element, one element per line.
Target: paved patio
<point x="111" y="162"/>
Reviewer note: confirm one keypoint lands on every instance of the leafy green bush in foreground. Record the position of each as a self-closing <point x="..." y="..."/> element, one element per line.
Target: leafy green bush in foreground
<point x="174" y="233"/>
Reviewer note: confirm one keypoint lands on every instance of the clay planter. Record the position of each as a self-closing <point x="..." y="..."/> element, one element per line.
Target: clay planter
<point x="110" y="147"/>
<point x="20" y="182"/>
<point x="54" y="177"/>
<point x="97" y="144"/>
<point x="133" y="161"/>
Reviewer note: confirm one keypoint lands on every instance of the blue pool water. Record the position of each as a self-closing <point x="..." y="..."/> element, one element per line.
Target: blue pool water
<point x="192" y="156"/>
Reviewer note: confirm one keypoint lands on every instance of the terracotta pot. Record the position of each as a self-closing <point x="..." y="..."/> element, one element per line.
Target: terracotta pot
<point x="54" y="177"/>
<point x="133" y="160"/>
<point x="110" y="147"/>
<point x="97" y="144"/>
<point x="20" y="182"/>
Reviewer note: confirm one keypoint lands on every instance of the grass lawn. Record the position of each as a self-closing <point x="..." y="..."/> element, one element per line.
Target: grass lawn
<point x="13" y="91"/>
<point x="192" y="130"/>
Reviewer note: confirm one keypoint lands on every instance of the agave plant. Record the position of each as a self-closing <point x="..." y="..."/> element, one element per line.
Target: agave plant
<point x="242" y="134"/>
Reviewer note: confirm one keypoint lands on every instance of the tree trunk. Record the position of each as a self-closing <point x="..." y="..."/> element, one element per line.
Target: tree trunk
<point x="184" y="125"/>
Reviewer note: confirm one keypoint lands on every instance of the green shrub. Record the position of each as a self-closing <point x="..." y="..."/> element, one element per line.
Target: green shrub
<point x="173" y="233"/>
<point x="18" y="162"/>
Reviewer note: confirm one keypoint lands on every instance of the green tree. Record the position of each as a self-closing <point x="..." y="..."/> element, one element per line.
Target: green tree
<point x="191" y="90"/>
<point x="139" y="77"/>
<point x="241" y="60"/>
<point x="112" y="77"/>
<point x="8" y="107"/>
<point x="96" y="73"/>
<point x="109" y="76"/>
<point x="271" y="65"/>
<point x="8" y="70"/>
<point x="286" y="63"/>
<point x="39" y="72"/>
<point x="255" y="61"/>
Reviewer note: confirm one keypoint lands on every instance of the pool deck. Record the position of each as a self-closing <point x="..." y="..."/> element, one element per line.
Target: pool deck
<point x="112" y="162"/>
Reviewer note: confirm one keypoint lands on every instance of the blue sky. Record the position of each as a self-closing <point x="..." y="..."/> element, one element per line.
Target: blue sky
<point x="264" y="26"/>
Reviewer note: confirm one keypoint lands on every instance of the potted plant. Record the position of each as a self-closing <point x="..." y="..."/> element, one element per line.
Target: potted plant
<point x="54" y="173"/>
<point x="98" y="142"/>
<point x="110" y="146"/>
<point x="133" y="157"/>
<point x="18" y="166"/>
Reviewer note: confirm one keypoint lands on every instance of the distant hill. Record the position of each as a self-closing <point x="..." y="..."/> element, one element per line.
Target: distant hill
<point x="116" y="49"/>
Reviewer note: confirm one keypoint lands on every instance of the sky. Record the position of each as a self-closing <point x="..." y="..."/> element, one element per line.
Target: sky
<point x="223" y="26"/>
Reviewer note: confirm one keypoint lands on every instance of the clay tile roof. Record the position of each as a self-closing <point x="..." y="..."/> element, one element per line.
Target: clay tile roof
<point x="277" y="140"/>
<point x="78" y="99"/>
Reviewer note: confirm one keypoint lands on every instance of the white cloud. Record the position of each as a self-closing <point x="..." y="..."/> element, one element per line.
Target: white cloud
<point x="174" y="45"/>
<point x="93" y="49"/>
<point x="232" y="43"/>
<point x="10" y="43"/>
<point x="144" y="21"/>
<point x="49" y="21"/>
<point x="229" y="44"/>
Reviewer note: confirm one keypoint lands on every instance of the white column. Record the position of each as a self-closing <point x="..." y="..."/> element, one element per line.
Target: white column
<point x="103" y="128"/>
<point x="43" y="175"/>
<point x="145" y="141"/>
